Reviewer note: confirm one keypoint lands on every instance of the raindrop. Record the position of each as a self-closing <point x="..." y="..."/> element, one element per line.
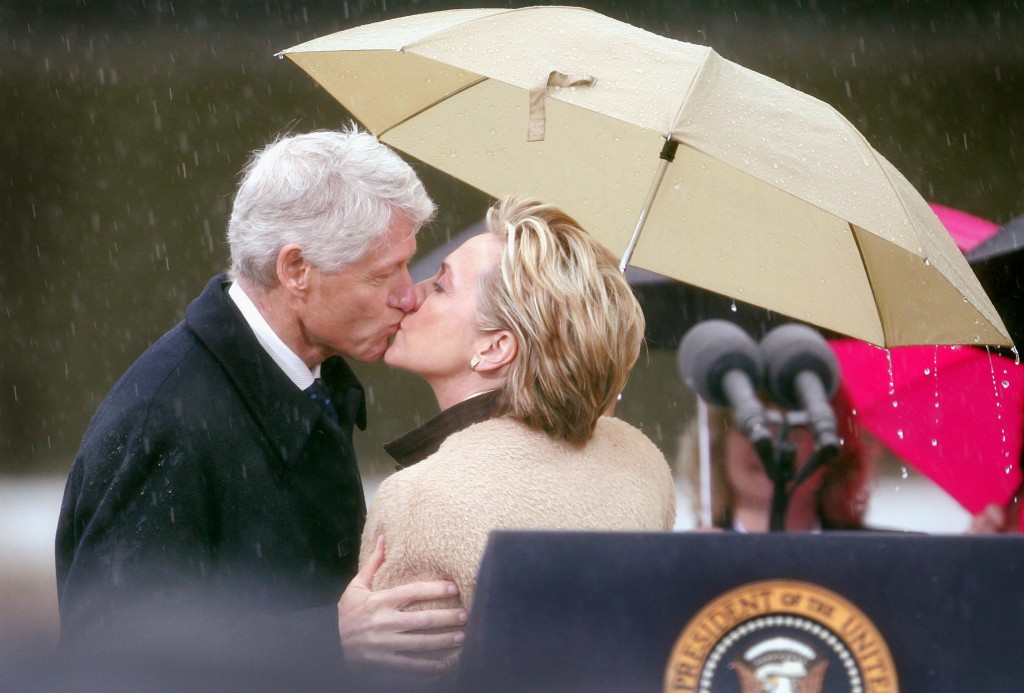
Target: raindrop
<point x="899" y="432"/>
<point x="892" y="382"/>
<point x="733" y="306"/>
<point x="1005" y="384"/>
<point x="935" y="443"/>
<point x="903" y="471"/>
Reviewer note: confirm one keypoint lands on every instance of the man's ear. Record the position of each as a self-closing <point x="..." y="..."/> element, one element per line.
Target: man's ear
<point x="499" y="351"/>
<point x="293" y="271"/>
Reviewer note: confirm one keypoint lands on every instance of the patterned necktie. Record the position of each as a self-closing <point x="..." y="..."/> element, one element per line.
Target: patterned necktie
<point x="319" y="393"/>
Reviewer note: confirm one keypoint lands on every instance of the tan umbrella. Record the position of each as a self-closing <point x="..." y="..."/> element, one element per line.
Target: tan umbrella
<point x="680" y="161"/>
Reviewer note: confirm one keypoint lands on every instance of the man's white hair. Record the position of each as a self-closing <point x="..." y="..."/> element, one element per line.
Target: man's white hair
<point x="334" y="193"/>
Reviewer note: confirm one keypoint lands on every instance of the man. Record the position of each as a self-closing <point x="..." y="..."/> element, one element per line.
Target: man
<point x="213" y="502"/>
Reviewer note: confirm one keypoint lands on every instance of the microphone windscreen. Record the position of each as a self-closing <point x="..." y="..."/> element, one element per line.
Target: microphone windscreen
<point x="790" y="349"/>
<point x="712" y="348"/>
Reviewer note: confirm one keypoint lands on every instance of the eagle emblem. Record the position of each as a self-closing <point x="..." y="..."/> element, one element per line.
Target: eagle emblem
<point x="780" y="665"/>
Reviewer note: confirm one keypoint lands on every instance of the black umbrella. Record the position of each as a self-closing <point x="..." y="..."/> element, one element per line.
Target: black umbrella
<point x="672" y="307"/>
<point x="999" y="264"/>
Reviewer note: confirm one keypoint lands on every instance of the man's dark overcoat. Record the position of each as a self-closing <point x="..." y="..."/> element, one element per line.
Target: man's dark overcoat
<point x="212" y="498"/>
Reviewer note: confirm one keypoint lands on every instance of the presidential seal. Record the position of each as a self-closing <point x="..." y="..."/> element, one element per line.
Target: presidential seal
<point x="780" y="636"/>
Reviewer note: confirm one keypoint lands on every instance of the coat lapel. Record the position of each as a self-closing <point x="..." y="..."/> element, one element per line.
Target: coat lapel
<point x="318" y="456"/>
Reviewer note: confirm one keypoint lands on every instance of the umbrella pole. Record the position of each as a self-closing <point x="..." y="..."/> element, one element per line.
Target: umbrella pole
<point x="667" y="156"/>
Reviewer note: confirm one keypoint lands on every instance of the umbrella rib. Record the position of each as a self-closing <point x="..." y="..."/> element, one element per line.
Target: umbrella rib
<point x="952" y="268"/>
<point x="902" y="202"/>
<point x="426" y="108"/>
<point x="871" y="284"/>
<point x="709" y="54"/>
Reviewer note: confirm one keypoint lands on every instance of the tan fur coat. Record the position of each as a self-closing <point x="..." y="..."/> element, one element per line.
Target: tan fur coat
<point x="436" y="515"/>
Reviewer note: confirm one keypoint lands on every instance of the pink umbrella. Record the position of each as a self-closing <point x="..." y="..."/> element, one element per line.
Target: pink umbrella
<point x="967" y="230"/>
<point x="954" y="413"/>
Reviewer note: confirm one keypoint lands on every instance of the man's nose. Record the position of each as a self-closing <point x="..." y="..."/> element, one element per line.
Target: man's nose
<point x="420" y="291"/>
<point x="406" y="298"/>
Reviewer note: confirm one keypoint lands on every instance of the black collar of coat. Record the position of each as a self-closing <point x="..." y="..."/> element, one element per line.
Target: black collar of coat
<point x="424" y="440"/>
<point x="285" y="414"/>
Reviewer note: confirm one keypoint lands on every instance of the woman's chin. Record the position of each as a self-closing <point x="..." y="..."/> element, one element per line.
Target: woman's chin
<point x="393" y="355"/>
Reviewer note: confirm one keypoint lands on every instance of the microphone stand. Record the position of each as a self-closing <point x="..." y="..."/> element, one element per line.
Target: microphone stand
<point x="779" y="460"/>
<point x="780" y="471"/>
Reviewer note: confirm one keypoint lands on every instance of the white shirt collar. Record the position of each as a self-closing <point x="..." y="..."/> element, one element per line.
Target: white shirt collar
<point x="289" y="362"/>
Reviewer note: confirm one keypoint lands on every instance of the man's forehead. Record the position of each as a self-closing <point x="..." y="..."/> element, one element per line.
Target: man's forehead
<point x="400" y="240"/>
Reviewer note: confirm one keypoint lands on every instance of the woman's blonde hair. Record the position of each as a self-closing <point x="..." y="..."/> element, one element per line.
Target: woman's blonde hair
<point x="842" y="498"/>
<point x="578" y="325"/>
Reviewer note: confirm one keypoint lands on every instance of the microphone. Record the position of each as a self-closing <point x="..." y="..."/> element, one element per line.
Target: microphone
<point x="722" y="363"/>
<point x="803" y="373"/>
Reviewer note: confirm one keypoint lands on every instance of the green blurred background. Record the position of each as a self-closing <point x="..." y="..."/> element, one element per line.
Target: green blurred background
<point x="125" y="125"/>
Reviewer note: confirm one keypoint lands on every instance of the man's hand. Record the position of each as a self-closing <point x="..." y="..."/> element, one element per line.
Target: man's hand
<point x="377" y="634"/>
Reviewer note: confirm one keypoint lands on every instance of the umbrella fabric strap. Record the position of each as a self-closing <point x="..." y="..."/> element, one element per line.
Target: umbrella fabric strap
<point x="538" y="120"/>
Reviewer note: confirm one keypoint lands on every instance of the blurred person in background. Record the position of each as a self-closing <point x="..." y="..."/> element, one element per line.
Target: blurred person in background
<point x="835" y="496"/>
<point x="998" y="519"/>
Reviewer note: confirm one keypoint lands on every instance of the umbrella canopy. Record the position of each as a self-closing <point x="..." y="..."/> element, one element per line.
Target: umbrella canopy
<point x="999" y="264"/>
<point x="742" y="185"/>
<point x="673" y="307"/>
<point x="955" y="413"/>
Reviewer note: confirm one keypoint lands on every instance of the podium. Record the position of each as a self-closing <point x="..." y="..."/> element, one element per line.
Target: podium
<point x="619" y="611"/>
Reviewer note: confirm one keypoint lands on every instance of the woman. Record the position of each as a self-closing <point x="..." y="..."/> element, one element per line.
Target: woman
<point x="833" y="497"/>
<point x="526" y="335"/>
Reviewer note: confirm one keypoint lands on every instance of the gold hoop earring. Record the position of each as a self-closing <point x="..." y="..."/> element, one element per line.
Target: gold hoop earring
<point x="474" y="362"/>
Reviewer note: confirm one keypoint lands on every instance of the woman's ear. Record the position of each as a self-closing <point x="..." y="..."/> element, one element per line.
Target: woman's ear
<point x="293" y="271"/>
<point x="499" y="351"/>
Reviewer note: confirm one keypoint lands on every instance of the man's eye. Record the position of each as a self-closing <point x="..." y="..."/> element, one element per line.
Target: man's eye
<point x="438" y="289"/>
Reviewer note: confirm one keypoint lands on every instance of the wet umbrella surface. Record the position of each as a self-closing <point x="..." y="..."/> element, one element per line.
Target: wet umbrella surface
<point x="680" y="161"/>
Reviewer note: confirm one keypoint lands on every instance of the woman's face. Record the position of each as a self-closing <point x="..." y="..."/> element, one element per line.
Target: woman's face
<point x="748" y="478"/>
<point x="438" y="339"/>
